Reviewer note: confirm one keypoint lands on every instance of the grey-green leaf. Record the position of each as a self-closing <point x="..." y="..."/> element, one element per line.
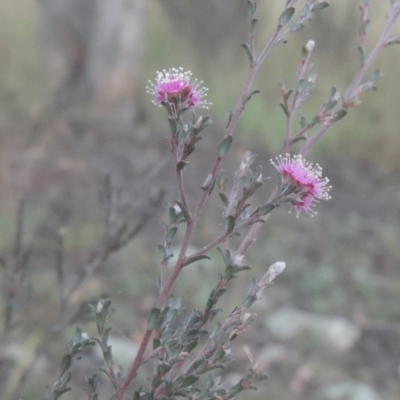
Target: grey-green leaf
<point x="224" y="146"/>
<point x="286" y="16"/>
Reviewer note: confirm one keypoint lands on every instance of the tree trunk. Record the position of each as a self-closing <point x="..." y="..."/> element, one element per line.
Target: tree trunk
<point x="93" y="52"/>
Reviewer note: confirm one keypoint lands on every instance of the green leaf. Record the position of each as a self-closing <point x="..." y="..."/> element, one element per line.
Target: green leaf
<point x="224" y="146"/>
<point x="248" y="301"/>
<point x="153" y="319"/>
<point x="331" y="102"/>
<point x="230" y="115"/>
<point x="184" y="210"/>
<point x="298" y="139"/>
<point x="108" y="356"/>
<point x="212" y="186"/>
<point x="65" y="378"/>
<point x="60" y="392"/>
<point x="301" y="84"/>
<point x="305" y="11"/>
<point x="285" y="110"/>
<point x="249" y="53"/>
<point x="296" y="26"/>
<point x="181" y="165"/>
<point x="172" y="215"/>
<point x="251" y="9"/>
<point x="253" y="25"/>
<point x="361" y="55"/>
<point x="266" y="209"/>
<point x="105" y="335"/>
<point x="191" y="260"/>
<point x="156" y="343"/>
<point x="249" y="96"/>
<point x="223" y="198"/>
<point x="162" y="252"/>
<point x="172" y="125"/>
<point x="66" y="362"/>
<point x="376" y="74"/>
<point x="219" y="293"/>
<point x="229" y="223"/>
<point x="169" y="237"/>
<point x="286" y="16"/>
<point x="391" y="42"/>
<point x="189" y="380"/>
<point x="191" y="345"/>
<point x="320" y="6"/>
<point x="339" y="115"/>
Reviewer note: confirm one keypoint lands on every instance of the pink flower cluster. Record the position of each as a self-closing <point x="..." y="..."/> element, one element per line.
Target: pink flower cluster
<point x="175" y="84"/>
<point x="303" y="181"/>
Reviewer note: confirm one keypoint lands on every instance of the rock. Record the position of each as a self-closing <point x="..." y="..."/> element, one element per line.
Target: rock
<point x="350" y="391"/>
<point x="288" y="323"/>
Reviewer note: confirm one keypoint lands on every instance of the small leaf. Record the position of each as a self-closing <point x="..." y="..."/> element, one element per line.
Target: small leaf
<point x="298" y="139"/>
<point x="169" y="237"/>
<point x="248" y="301"/>
<point x="393" y="41"/>
<point x="60" y="392"/>
<point x="229" y="223"/>
<point x="361" y="55"/>
<point x="156" y="343"/>
<point x="376" y="74"/>
<point x="105" y="335"/>
<point x="172" y="215"/>
<point x="331" y="101"/>
<point x="301" y="84"/>
<point x="249" y="96"/>
<point x="191" y="260"/>
<point x="296" y="26"/>
<point x="153" y="319"/>
<point x="172" y="125"/>
<point x="253" y="25"/>
<point x="65" y="378"/>
<point x="212" y="186"/>
<point x="205" y="121"/>
<point x="162" y="252"/>
<point x="181" y="165"/>
<point x="305" y="11"/>
<point x="320" y="6"/>
<point x="230" y="114"/>
<point x="285" y="110"/>
<point x="191" y="345"/>
<point x="184" y="210"/>
<point x="249" y="53"/>
<point x="65" y="362"/>
<point x="199" y="364"/>
<point x="251" y="9"/>
<point x="108" y="356"/>
<point x="219" y="293"/>
<point x="189" y="380"/>
<point x="264" y="210"/>
<point x="339" y="115"/>
<point x="224" y="146"/>
<point x="286" y="16"/>
<point x="223" y="198"/>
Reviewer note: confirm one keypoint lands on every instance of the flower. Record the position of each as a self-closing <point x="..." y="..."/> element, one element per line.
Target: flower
<point x="175" y="84"/>
<point x="302" y="182"/>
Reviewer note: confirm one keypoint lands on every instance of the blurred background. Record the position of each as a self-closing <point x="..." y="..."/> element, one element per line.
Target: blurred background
<point x="85" y="175"/>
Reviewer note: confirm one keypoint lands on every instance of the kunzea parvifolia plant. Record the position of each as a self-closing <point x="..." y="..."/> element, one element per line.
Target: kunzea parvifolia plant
<point x="186" y="351"/>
